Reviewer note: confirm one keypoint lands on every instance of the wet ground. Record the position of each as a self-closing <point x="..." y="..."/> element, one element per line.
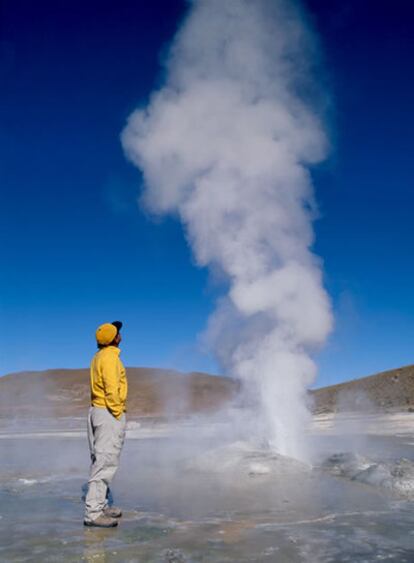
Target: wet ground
<point x="202" y="499"/>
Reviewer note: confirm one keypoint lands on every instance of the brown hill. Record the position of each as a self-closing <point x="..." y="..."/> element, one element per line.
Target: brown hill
<point x="155" y="392"/>
<point x="388" y="390"/>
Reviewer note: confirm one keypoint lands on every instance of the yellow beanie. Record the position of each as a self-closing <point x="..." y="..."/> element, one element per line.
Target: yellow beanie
<point x="106" y="333"/>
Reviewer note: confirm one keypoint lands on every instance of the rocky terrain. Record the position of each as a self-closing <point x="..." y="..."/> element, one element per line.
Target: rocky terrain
<point x="386" y="391"/>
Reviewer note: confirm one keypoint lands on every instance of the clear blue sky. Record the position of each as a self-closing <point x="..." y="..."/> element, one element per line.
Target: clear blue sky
<point x="78" y="251"/>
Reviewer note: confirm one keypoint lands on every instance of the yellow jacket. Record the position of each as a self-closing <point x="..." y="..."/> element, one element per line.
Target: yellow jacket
<point x="109" y="386"/>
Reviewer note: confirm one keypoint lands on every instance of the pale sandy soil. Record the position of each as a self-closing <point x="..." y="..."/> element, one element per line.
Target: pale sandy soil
<point x="381" y="424"/>
<point x="385" y="424"/>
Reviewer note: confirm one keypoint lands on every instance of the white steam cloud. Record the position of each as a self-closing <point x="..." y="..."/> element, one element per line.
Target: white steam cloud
<point x="226" y="143"/>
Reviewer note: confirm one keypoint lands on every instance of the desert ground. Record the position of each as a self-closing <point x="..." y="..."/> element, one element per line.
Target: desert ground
<point x="195" y="487"/>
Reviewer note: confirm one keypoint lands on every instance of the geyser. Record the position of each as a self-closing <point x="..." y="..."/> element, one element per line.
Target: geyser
<point x="226" y="144"/>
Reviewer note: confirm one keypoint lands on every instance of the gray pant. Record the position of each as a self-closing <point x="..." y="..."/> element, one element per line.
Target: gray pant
<point x="106" y="436"/>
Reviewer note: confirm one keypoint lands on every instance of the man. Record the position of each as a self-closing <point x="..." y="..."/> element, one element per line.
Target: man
<point x="106" y="424"/>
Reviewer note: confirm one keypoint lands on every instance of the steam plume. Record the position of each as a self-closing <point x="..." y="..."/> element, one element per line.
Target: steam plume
<point x="225" y="144"/>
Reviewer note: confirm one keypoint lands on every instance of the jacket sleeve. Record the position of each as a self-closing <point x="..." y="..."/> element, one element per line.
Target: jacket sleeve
<point x="110" y="377"/>
<point x="123" y="386"/>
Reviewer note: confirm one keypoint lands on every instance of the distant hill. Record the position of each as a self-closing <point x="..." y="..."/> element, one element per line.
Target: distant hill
<point x="388" y="390"/>
<point x="157" y="392"/>
<point x="152" y="392"/>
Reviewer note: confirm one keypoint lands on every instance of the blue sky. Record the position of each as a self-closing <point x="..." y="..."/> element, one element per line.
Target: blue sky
<point x="77" y="250"/>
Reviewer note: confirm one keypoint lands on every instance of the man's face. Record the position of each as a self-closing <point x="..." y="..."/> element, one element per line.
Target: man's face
<point x="118" y="338"/>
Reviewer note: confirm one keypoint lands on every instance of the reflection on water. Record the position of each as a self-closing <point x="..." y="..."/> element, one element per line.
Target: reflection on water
<point x="189" y="501"/>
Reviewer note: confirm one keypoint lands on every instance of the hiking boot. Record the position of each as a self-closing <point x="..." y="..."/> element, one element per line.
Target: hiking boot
<point x="102" y="521"/>
<point x="112" y="512"/>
